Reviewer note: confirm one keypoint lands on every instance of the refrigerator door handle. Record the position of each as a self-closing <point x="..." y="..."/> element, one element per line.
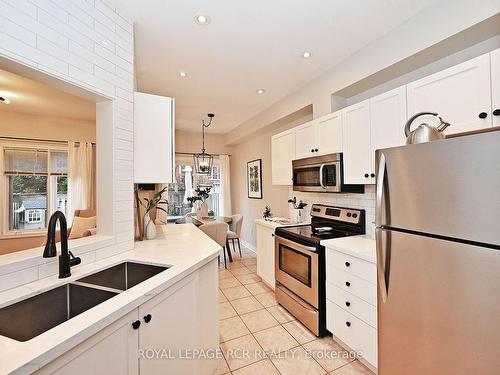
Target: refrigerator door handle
<point x="380" y="189"/>
<point x="382" y="258"/>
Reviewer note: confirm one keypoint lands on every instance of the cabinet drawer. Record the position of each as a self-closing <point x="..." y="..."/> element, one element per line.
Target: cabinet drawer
<point x="355" y="305"/>
<point x="355" y="285"/>
<point x="355" y="266"/>
<point x="352" y="331"/>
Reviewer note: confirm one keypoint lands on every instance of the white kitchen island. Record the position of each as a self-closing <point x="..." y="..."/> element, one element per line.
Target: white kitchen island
<point x="181" y="302"/>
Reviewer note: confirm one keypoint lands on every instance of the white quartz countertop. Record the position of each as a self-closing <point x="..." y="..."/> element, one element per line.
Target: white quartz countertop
<point x="183" y="247"/>
<point x="275" y="224"/>
<point x="357" y="246"/>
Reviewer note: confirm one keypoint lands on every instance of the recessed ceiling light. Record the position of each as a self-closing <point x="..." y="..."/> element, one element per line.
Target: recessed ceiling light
<point x="261" y="91"/>
<point x="306" y="54"/>
<point x="201" y="19"/>
<point x="4" y="100"/>
<point x="183" y="74"/>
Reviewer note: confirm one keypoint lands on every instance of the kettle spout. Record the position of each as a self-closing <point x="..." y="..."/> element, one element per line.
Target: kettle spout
<point x="443" y="125"/>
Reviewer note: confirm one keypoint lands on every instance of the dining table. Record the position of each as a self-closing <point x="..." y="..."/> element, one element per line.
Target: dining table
<point x="205" y="220"/>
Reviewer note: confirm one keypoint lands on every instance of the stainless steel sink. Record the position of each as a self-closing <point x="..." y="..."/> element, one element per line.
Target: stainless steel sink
<point x="123" y="276"/>
<point x="31" y="317"/>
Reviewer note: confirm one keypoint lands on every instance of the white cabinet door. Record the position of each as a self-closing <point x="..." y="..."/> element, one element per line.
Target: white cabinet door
<point x="495" y="86"/>
<point x="283" y="152"/>
<point x="387" y="120"/>
<point x="306" y="140"/>
<point x="357" y="144"/>
<point x="460" y="94"/>
<point x="153" y="138"/>
<point x="265" y="254"/>
<point x="329" y="133"/>
<point x="173" y="327"/>
<point x="112" y="351"/>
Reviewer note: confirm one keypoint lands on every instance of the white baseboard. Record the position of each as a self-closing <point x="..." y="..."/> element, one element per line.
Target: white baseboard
<point x="248" y="245"/>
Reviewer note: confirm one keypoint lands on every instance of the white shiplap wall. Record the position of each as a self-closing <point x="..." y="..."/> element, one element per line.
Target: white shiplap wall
<point x="88" y="43"/>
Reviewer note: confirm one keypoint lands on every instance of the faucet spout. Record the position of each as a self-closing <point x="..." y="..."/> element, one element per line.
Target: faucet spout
<point x="66" y="259"/>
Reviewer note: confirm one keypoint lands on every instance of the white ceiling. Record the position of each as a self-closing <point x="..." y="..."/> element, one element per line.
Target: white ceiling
<point x="249" y="45"/>
<point x="35" y="98"/>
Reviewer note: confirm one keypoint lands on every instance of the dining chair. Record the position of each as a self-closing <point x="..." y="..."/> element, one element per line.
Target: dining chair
<point x="234" y="233"/>
<point x="217" y="231"/>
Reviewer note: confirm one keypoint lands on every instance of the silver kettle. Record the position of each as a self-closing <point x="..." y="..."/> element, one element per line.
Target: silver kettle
<point x="424" y="132"/>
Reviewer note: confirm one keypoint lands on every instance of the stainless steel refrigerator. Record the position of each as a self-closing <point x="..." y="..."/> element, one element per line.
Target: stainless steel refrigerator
<point x="438" y="255"/>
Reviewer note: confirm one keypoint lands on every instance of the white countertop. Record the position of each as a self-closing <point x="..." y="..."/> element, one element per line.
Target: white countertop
<point x="183" y="247"/>
<point x="274" y="224"/>
<point x="357" y="246"/>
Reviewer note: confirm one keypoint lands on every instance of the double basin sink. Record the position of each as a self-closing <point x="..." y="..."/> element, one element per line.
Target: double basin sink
<point x="33" y="316"/>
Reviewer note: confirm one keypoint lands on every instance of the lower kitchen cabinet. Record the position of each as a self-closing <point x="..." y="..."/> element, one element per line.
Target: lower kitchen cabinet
<point x="265" y="254"/>
<point x="180" y="319"/>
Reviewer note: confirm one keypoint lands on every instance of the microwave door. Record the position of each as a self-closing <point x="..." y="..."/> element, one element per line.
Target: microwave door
<point x="307" y="178"/>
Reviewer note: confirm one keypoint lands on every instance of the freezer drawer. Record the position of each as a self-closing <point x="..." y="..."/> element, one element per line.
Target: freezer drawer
<point x="442" y="311"/>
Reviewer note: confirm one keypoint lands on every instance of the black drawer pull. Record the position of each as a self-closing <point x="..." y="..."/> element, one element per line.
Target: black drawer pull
<point x="483" y="115"/>
<point x="148" y="318"/>
<point x="348" y="324"/>
<point x="347" y="303"/>
<point x="496" y="112"/>
<point x="136" y="324"/>
<point x="347" y="283"/>
<point x="347" y="264"/>
<point x="367" y="175"/>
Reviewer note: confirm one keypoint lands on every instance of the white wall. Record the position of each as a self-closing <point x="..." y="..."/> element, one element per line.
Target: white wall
<point x="88" y="44"/>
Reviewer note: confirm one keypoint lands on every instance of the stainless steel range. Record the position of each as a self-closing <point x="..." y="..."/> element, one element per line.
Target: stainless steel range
<point x="300" y="261"/>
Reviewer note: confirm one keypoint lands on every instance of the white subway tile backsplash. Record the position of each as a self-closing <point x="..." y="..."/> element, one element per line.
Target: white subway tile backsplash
<point x="11" y="280"/>
<point x="23" y="5"/>
<point x="16" y="31"/>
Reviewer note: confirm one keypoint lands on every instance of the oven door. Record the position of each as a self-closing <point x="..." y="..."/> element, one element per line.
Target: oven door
<point x="324" y="177"/>
<point x="296" y="268"/>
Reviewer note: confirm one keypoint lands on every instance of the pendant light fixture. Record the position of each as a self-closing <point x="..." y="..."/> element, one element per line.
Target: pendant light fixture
<point x="203" y="162"/>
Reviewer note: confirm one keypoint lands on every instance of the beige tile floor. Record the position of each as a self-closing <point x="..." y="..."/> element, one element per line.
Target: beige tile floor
<point x="252" y="321"/>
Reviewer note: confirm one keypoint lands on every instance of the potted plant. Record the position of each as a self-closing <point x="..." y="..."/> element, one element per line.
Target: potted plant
<point x="149" y="205"/>
<point x="200" y="195"/>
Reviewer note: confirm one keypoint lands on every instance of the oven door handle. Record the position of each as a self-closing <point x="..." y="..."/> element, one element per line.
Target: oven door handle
<point x="321" y="176"/>
<point x="295" y="245"/>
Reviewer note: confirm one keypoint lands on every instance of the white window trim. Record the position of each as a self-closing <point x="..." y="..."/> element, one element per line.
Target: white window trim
<point x="4" y="191"/>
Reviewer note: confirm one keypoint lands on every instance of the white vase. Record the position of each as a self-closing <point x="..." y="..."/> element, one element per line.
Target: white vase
<point x="149" y="228"/>
<point x="203" y="211"/>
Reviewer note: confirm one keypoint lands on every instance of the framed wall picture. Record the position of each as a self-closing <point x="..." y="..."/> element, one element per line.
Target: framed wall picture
<point x="254" y="179"/>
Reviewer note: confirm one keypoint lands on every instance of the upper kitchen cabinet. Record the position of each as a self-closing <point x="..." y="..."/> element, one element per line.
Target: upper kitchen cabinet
<point x="283" y="152"/>
<point x="495" y="86"/>
<point x="329" y="133"/>
<point x="357" y="144"/>
<point x="153" y="138"/>
<point x="306" y="140"/>
<point x="460" y="94"/>
<point x="387" y="120"/>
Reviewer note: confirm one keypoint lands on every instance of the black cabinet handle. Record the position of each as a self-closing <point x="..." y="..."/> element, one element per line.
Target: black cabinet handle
<point x="136" y="324"/>
<point x="496" y="112"/>
<point x="315" y="150"/>
<point x="372" y="175"/>
<point x="347" y="264"/>
<point x="347" y="283"/>
<point x="347" y="303"/>
<point x="312" y="149"/>
<point x="367" y="175"/>
<point x="272" y="234"/>
<point x="147" y="318"/>
<point x="483" y="115"/>
<point x="348" y="324"/>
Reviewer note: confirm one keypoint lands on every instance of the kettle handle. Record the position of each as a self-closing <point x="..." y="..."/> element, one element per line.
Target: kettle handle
<point x="412" y="118"/>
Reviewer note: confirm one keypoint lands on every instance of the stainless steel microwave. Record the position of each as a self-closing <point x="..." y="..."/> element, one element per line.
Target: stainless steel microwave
<point x="322" y="174"/>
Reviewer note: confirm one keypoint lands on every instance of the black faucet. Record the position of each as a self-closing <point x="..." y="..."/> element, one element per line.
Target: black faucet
<point x="66" y="259"/>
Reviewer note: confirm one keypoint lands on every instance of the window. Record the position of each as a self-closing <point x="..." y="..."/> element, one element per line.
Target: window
<point x="36" y="185"/>
<point x="187" y="181"/>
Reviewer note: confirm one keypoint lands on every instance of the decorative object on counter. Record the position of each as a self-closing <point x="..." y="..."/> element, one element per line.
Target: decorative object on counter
<point x="267" y="215"/>
<point x="149" y="228"/>
<point x="298" y="216"/>
<point x="424" y="132"/>
<point x="203" y="161"/>
<point x="200" y="195"/>
<point x="254" y="179"/>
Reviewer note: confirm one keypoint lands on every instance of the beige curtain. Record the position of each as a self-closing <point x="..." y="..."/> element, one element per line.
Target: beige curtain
<point x="225" y="186"/>
<point x="81" y="178"/>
